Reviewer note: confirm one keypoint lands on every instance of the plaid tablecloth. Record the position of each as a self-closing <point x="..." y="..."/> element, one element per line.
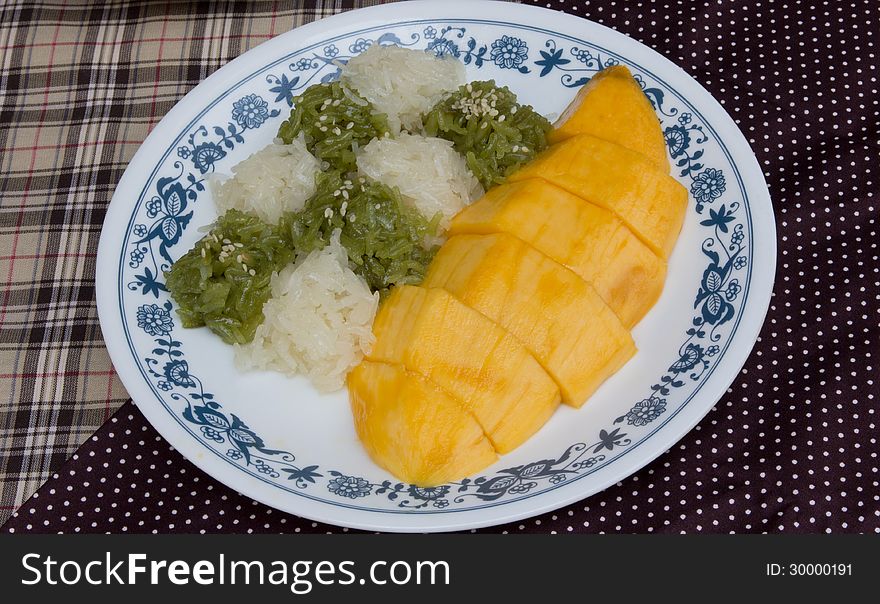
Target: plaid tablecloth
<point x="81" y="86"/>
<point x="793" y="445"/>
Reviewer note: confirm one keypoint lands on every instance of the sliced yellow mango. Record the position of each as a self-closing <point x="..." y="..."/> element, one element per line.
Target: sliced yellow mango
<point x="589" y="240"/>
<point x="468" y="355"/>
<point x="613" y="107"/>
<point x="649" y="202"/>
<point x="557" y="315"/>
<point x="412" y="428"/>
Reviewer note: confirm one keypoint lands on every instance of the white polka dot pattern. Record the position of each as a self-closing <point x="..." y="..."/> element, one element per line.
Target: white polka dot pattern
<point x="792" y="447"/>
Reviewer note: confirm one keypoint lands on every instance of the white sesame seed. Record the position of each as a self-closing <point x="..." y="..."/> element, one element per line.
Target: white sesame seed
<point x="323" y="118"/>
<point x="227" y="241"/>
<point x="252" y="272"/>
<point x="351" y="217"/>
<point x="238" y="258"/>
<point x="343" y="209"/>
<point x="239" y="244"/>
<point x="337" y="102"/>
<point x="502" y="118"/>
<point x="345" y="194"/>
<point x="513" y="110"/>
<point x="203" y="253"/>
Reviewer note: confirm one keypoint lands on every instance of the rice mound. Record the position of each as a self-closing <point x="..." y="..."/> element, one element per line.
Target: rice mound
<point x="427" y="171"/>
<point x="274" y="180"/>
<point x="402" y="83"/>
<point x="318" y="321"/>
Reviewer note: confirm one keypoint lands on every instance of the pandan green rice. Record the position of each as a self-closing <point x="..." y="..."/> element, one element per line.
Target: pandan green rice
<point x="384" y="236"/>
<point x="223" y="281"/>
<point x="334" y="120"/>
<point x="353" y="203"/>
<point x="495" y="134"/>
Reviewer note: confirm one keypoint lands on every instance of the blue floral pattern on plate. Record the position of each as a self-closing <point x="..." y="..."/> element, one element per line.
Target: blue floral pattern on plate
<point x="509" y="52"/>
<point x="162" y="217"/>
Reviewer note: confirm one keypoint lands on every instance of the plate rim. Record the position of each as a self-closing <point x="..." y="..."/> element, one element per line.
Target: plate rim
<point x="750" y="320"/>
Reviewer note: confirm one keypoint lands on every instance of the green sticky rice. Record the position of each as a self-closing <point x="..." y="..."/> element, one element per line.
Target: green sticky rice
<point x="223" y="281"/>
<point x="487" y="125"/>
<point x="334" y="120"/>
<point x="384" y="236"/>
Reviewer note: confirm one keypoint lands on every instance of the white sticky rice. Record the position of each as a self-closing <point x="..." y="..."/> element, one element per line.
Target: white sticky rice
<point x="274" y="180"/>
<point x="318" y="322"/>
<point x="402" y="83"/>
<point x="428" y="171"/>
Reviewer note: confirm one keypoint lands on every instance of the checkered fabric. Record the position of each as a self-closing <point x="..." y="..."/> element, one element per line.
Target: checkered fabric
<point x="81" y="86"/>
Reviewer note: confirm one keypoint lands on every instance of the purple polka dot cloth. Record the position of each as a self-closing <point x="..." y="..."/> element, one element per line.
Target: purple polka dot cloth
<point x="792" y="446"/>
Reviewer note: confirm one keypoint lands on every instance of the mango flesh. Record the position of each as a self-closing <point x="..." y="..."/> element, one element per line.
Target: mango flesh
<point x="488" y="370"/>
<point x="613" y="107"/>
<point x="531" y="298"/>
<point x="412" y="428"/>
<point x="650" y="202"/>
<point x="559" y="318"/>
<point x="589" y="240"/>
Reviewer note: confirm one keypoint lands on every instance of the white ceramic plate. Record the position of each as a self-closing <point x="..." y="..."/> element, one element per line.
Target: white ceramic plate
<point x="277" y="440"/>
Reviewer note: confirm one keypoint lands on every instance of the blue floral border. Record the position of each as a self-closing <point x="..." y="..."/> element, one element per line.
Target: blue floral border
<point x="167" y="217"/>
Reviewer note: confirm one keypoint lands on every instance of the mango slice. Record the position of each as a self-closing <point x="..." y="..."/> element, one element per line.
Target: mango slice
<point x="589" y="240"/>
<point x="412" y="428"/>
<point x="613" y="107"/>
<point x="530" y="300"/>
<point x="559" y="318"/>
<point x="430" y="332"/>
<point x="649" y="202"/>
